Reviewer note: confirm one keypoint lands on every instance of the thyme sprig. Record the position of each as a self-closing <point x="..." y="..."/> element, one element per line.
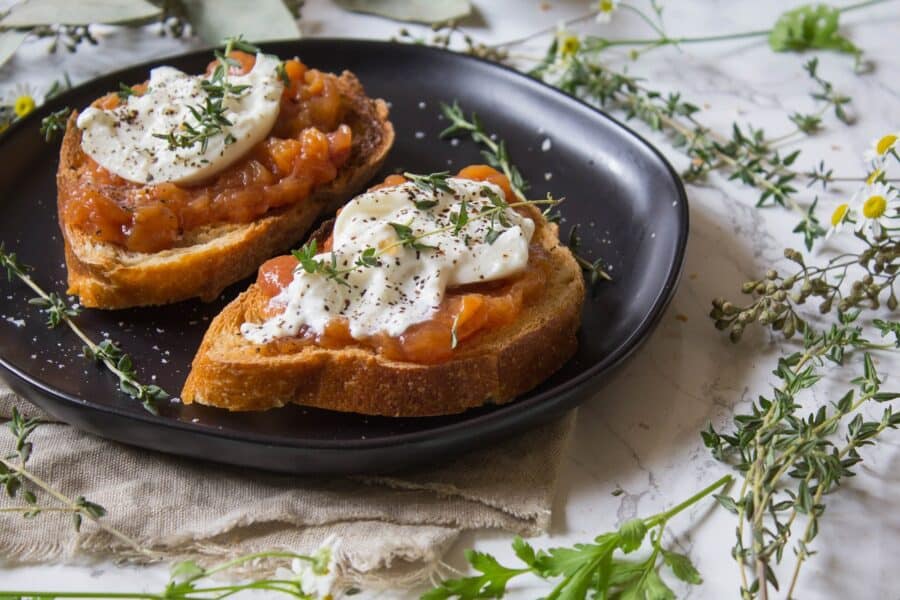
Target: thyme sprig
<point x="494" y="151"/>
<point x="54" y="124"/>
<point x="789" y="460"/>
<point x="864" y="279"/>
<point x="586" y="568"/>
<point x="209" y="118"/>
<point x="746" y="154"/>
<point x="432" y="183"/>
<point x="20" y="482"/>
<point x="496" y="154"/>
<point x="106" y="352"/>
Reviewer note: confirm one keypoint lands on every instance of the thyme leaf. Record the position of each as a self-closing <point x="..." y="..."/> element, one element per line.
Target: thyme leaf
<point x="54" y="124"/>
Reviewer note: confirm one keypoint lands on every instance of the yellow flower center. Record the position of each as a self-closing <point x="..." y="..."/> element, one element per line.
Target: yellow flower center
<point x="570" y="45"/>
<point x="607" y="6"/>
<point x="874" y="207"/>
<point x="885" y="143"/>
<point x="837" y="217"/>
<point x="23" y="106"/>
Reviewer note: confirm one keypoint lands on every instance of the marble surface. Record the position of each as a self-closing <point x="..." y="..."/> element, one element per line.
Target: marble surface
<point x="641" y="433"/>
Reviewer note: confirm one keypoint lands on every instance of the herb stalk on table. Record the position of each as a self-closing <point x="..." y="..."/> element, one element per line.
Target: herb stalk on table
<point x="746" y="153"/>
<point x="789" y="461"/>
<point x="107" y="353"/>
<point x="588" y="568"/>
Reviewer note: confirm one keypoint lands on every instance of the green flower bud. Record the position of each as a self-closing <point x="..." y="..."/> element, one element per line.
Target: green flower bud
<point x="793" y="256"/>
<point x="789" y="328"/>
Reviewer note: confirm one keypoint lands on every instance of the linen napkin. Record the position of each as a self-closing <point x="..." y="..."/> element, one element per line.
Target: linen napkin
<point x="393" y="530"/>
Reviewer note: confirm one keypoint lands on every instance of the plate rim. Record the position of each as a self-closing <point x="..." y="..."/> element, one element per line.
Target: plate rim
<point x="489" y="422"/>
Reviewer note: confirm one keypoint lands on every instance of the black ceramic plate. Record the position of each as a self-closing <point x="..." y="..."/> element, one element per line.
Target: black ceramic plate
<point x="629" y="204"/>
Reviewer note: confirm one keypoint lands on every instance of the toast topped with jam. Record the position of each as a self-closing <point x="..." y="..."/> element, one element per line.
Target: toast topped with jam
<point x="177" y="187"/>
<point x="427" y="295"/>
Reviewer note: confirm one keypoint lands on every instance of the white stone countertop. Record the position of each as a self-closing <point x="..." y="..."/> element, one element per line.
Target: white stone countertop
<point x="641" y="432"/>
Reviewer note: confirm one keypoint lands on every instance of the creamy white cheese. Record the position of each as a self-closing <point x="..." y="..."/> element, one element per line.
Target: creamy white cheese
<point x="408" y="285"/>
<point x="123" y="140"/>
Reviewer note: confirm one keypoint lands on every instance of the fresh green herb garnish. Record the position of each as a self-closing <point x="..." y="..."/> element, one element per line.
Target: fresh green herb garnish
<point x="408" y="239"/>
<point x="592" y="568"/>
<point x="125" y="91"/>
<point x="106" y="353"/>
<point x="494" y="152"/>
<point x="431" y="183"/>
<point x="283" y="74"/>
<point x="54" y="124"/>
<point x="209" y="117"/>
<point x="459" y="219"/>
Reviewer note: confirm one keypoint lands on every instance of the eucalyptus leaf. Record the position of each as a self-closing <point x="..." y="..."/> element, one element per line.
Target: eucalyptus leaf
<point x="31" y="13"/>
<point x="9" y="43"/>
<point x="811" y="26"/>
<point x="214" y="20"/>
<point x="416" y="11"/>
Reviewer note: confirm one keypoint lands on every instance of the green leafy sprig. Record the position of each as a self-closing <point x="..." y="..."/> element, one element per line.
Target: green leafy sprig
<point x="209" y="117"/>
<point x="807" y="27"/>
<point x="106" y="352"/>
<point x="871" y="275"/>
<point x="19" y="482"/>
<point x="496" y="154"/>
<point x="747" y="155"/>
<point x="54" y="124"/>
<point x="588" y="568"/>
<point x="432" y="183"/>
<point x="187" y="578"/>
<point x="789" y="460"/>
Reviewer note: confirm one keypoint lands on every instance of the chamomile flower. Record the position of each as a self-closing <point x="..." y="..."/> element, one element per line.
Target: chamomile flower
<point x="875" y="203"/>
<point x="605" y="10"/>
<point x="839" y="218"/>
<point x="315" y="577"/>
<point x="567" y="43"/>
<point x="880" y="148"/>
<point x="23" y="100"/>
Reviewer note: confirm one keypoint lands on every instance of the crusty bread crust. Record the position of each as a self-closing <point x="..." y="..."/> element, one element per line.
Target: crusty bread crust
<point x="209" y="259"/>
<point x="494" y="367"/>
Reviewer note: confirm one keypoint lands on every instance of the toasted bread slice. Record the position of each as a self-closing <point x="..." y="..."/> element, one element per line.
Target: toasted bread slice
<point x="210" y="258"/>
<point x="493" y="367"/>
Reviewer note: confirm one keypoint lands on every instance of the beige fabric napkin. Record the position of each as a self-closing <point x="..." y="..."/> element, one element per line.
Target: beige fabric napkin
<point x="393" y="530"/>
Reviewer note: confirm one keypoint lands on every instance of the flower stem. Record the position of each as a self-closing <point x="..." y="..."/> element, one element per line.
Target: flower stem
<point x="666" y="515"/>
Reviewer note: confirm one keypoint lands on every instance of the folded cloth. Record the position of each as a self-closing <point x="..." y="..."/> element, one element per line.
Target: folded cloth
<point x="392" y="530"/>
